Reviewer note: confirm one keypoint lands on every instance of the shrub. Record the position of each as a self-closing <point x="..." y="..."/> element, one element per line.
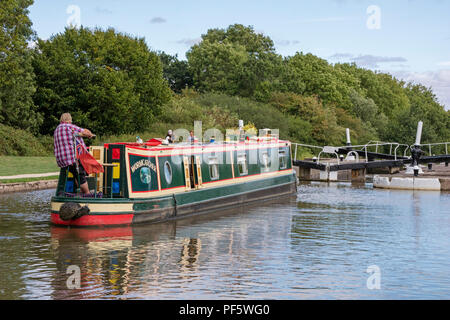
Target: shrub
<point x="18" y="142"/>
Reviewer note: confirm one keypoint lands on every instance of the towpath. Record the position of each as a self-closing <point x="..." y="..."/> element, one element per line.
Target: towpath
<point x="31" y="175"/>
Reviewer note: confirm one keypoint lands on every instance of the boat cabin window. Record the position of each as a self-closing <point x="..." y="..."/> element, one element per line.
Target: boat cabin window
<point x="242" y="164"/>
<point x="282" y="159"/>
<point x="213" y="168"/>
<point x="168" y="172"/>
<point x="265" y="161"/>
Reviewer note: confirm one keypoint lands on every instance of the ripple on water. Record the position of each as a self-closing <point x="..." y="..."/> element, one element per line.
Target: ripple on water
<point x="316" y="247"/>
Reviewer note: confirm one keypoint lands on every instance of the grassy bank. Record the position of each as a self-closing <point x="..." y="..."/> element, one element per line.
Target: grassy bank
<point x="10" y="165"/>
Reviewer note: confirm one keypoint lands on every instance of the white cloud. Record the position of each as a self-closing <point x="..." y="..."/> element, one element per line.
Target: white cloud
<point x="371" y="61"/>
<point x="439" y="81"/>
<point x="341" y="56"/>
<point x="285" y="43"/>
<point x="367" y="60"/>
<point x="189" y="41"/>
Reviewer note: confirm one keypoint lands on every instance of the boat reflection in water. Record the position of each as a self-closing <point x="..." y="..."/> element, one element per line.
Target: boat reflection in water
<point x="149" y="260"/>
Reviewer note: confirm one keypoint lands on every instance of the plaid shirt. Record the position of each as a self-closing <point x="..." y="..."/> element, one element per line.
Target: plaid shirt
<point x="63" y="143"/>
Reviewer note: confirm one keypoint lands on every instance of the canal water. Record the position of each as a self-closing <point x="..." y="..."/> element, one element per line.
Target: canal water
<point x="330" y="241"/>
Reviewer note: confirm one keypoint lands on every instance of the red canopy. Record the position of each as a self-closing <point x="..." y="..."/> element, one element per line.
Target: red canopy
<point x="153" y="142"/>
<point x="150" y="143"/>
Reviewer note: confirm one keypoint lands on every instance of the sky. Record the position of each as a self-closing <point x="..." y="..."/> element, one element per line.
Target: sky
<point x="409" y="39"/>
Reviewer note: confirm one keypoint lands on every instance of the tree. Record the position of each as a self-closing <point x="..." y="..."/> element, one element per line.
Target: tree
<point x="369" y="113"/>
<point x="17" y="83"/>
<point x="423" y="107"/>
<point x="385" y="91"/>
<point x="309" y="75"/>
<point x="324" y="128"/>
<point x="218" y="67"/>
<point x="176" y="72"/>
<point x="234" y="61"/>
<point x="110" y="82"/>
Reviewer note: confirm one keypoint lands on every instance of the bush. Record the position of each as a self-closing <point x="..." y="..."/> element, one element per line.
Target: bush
<point x="323" y="127"/>
<point x="262" y="115"/>
<point x="17" y="142"/>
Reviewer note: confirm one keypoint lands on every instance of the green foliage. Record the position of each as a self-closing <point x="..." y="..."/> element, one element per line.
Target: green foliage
<point x="176" y="72"/>
<point x="109" y="82"/>
<point x="17" y="83"/>
<point x="360" y="132"/>
<point x="234" y="61"/>
<point x="18" y="142"/>
<point x="186" y="110"/>
<point x="323" y="122"/>
<point x="114" y="85"/>
<point x="262" y="115"/>
<point x="423" y="107"/>
<point x="309" y="75"/>
<point x="368" y="113"/>
<point x="386" y="92"/>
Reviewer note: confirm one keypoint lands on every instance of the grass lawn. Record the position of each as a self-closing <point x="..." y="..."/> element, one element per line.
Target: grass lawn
<point x="10" y="165"/>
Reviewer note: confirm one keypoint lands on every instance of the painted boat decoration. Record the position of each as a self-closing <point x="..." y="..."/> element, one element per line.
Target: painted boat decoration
<point x="153" y="182"/>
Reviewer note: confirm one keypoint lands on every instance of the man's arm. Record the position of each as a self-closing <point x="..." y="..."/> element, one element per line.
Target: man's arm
<point x="86" y="133"/>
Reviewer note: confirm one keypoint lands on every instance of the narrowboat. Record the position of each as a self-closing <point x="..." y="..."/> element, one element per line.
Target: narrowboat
<point x="154" y="181"/>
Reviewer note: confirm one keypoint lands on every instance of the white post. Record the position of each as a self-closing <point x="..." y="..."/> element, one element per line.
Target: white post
<point x="416" y="169"/>
<point x="419" y="133"/>
<point x="349" y="157"/>
<point x="347" y="132"/>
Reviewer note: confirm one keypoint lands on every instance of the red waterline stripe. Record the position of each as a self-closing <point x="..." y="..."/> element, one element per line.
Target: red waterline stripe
<point x="95" y="220"/>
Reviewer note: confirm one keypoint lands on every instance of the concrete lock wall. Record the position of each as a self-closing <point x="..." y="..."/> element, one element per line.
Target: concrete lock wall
<point x="28" y="186"/>
<point x="407" y="183"/>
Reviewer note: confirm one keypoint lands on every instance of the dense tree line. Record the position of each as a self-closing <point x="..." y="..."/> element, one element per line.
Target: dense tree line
<point x="113" y="83"/>
<point x="109" y="81"/>
<point x="317" y="99"/>
<point x="17" y="80"/>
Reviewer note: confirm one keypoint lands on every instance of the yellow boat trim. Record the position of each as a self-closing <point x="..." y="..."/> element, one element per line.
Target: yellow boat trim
<point x="100" y="207"/>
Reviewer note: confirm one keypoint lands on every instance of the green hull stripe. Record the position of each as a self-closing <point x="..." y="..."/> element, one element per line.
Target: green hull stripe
<point x="224" y="191"/>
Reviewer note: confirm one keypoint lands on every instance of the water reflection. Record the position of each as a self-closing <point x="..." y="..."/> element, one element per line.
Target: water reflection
<point x="155" y="261"/>
<point x="317" y="244"/>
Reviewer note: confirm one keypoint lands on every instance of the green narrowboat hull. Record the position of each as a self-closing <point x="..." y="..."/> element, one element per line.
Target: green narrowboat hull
<point x="178" y="205"/>
<point x="158" y="184"/>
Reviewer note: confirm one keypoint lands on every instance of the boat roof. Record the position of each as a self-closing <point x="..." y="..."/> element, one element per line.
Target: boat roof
<point x="159" y="144"/>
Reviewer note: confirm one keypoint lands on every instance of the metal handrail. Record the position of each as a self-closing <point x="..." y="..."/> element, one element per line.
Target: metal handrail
<point x="327" y="149"/>
<point x="380" y="143"/>
<point x="377" y="144"/>
<point x="435" y="144"/>
<point x="303" y="145"/>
